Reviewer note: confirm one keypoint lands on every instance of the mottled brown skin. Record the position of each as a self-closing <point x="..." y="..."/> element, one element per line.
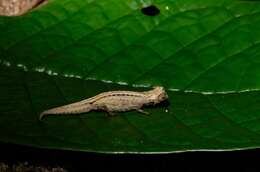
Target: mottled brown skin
<point x="112" y="101"/>
<point x="18" y="7"/>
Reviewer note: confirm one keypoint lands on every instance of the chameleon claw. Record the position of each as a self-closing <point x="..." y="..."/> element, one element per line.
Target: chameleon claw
<point x="111" y="113"/>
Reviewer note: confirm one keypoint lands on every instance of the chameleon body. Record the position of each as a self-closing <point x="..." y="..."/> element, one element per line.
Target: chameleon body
<point x="112" y="101"/>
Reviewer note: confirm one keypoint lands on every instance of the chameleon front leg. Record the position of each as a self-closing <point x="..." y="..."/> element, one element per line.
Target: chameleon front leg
<point x="142" y="111"/>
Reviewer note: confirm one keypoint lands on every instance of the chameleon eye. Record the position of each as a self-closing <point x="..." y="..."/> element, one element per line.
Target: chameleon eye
<point x="162" y="96"/>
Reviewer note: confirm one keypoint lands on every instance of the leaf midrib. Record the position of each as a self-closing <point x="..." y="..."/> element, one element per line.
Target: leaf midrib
<point x="109" y="58"/>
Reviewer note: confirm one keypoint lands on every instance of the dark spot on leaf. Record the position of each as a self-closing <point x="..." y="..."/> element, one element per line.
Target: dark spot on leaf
<point x="150" y="10"/>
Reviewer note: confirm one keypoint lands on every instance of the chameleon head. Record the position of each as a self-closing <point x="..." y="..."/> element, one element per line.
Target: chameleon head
<point x="157" y="95"/>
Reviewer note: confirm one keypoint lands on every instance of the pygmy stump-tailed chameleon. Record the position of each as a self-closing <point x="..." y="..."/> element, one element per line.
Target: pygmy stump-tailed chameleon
<point x="112" y="101"/>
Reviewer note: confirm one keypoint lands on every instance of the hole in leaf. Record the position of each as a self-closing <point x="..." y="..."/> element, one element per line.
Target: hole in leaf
<point x="150" y="10"/>
<point x="18" y="7"/>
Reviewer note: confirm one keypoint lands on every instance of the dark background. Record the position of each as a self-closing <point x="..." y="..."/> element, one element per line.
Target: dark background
<point x="244" y="160"/>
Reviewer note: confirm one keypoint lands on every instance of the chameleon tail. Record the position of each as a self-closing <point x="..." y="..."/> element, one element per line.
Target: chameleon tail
<point x="67" y="109"/>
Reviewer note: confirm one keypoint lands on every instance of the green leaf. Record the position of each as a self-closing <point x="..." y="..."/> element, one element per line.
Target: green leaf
<point x="206" y="54"/>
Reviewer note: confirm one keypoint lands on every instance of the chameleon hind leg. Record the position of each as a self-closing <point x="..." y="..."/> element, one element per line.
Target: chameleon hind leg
<point x="106" y="109"/>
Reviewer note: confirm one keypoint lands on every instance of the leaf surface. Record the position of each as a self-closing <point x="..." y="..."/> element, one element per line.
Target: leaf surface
<point x="205" y="53"/>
